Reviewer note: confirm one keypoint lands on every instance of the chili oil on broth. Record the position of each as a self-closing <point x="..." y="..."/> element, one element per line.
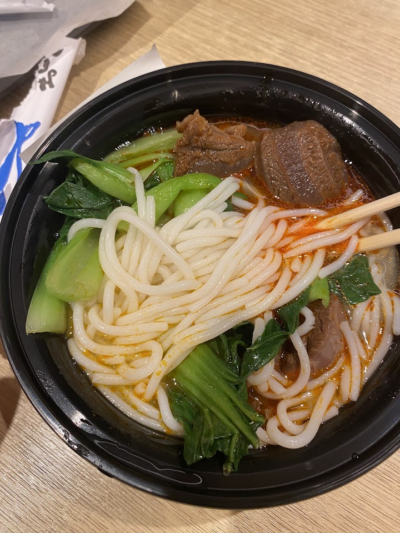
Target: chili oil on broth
<point x="301" y="412"/>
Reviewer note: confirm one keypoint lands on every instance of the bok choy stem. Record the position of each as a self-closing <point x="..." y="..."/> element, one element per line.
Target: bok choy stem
<point x="46" y="313"/>
<point x="159" y="142"/>
<point x="76" y="274"/>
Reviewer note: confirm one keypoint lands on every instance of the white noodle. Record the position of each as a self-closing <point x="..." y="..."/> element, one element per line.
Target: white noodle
<point x="83" y="224"/>
<point x="303" y="282"/>
<point x="321" y="380"/>
<point x="345" y="383"/>
<point x="276" y="388"/>
<point x="375" y="324"/>
<point x="396" y="315"/>
<point x="129" y="411"/>
<point x="285" y="419"/>
<point x="355" y="361"/>
<point x="110" y="379"/>
<point x="262" y="375"/>
<point x="354" y="197"/>
<point x="328" y="241"/>
<point x="108" y="302"/>
<point x="314" y="237"/>
<point x="167" y="290"/>
<point x="142" y="406"/>
<point x="296" y="264"/>
<point x="280" y="378"/>
<point x="342" y="260"/>
<point x="308" y="323"/>
<point x="166" y="413"/>
<point x="259" y="326"/>
<point x="358" y="314"/>
<point x="387" y="337"/>
<point x="304" y="374"/>
<point x="242" y="204"/>
<point x="85" y="361"/>
<point x="361" y="350"/>
<point x="311" y="427"/>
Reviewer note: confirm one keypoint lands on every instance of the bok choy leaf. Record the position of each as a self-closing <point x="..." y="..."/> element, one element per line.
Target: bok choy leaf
<point x="210" y="400"/>
<point x="353" y="283"/>
<point x="76" y="197"/>
<point x="108" y="177"/>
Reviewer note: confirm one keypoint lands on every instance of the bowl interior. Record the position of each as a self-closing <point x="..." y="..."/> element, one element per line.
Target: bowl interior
<point x="346" y="446"/>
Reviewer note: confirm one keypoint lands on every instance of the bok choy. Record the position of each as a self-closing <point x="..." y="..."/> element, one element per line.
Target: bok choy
<point x="210" y="400"/>
<point x="158" y="142"/>
<point x="76" y="273"/>
<point x="47" y="313"/>
<point x="108" y="177"/>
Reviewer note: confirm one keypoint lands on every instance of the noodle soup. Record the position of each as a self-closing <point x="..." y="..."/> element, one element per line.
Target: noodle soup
<point x="216" y="269"/>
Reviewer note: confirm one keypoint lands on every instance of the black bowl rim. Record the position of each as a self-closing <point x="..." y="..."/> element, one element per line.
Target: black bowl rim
<point x="325" y="482"/>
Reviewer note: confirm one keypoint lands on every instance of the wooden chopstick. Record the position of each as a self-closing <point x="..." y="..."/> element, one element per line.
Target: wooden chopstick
<point x="373" y="208"/>
<point x="381" y="240"/>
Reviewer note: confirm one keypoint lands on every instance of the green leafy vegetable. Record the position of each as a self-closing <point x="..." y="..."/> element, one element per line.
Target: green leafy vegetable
<point x="46" y="313"/>
<point x="166" y="193"/>
<point x="208" y="400"/>
<point x="205" y="433"/>
<point x="230" y="346"/>
<point x="147" y="171"/>
<point x="240" y="195"/>
<point x="60" y="154"/>
<point x="158" y="142"/>
<point x="78" y="198"/>
<point x="138" y="161"/>
<point x="166" y="217"/>
<point x="353" y="283"/>
<point x="290" y="312"/>
<point x="163" y="173"/>
<point x="152" y="182"/>
<point x="187" y="199"/>
<point x="206" y="383"/>
<point x="110" y="178"/>
<point x="76" y="274"/>
<point x="319" y="290"/>
<point x="267" y="346"/>
<point x="264" y="349"/>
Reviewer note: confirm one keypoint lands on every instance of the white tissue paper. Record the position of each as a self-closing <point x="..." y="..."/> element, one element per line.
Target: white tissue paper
<point x="26" y="38"/>
<point x="34" y="116"/>
<point x="29" y="125"/>
<point x="10" y="7"/>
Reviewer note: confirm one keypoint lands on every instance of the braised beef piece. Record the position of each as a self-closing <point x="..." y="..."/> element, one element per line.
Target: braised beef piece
<point x="207" y="148"/>
<point x="324" y="342"/>
<point x="288" y="362"/>
<point x="301" y="163"/>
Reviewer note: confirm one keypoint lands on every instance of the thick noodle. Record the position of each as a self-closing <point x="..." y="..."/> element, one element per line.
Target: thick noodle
<point x="168" y="289"/>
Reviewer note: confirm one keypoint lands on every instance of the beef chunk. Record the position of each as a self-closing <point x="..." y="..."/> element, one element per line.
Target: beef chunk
<point x="325" y="340"/>
<point x="301" y="163"/>
<point x="288" y="363"/>
<point x="207" y="148"/>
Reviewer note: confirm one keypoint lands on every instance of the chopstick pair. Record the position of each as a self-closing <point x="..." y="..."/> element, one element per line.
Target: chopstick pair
<point x="373" y="242"/>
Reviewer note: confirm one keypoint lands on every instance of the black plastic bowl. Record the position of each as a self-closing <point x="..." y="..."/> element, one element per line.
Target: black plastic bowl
<point x="361" y="436"/>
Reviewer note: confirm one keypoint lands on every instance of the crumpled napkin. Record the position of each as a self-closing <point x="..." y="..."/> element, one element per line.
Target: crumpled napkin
<point x="26" y="38"/>
<point x="29" y="125"/>
<point x="11" y="7"/>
